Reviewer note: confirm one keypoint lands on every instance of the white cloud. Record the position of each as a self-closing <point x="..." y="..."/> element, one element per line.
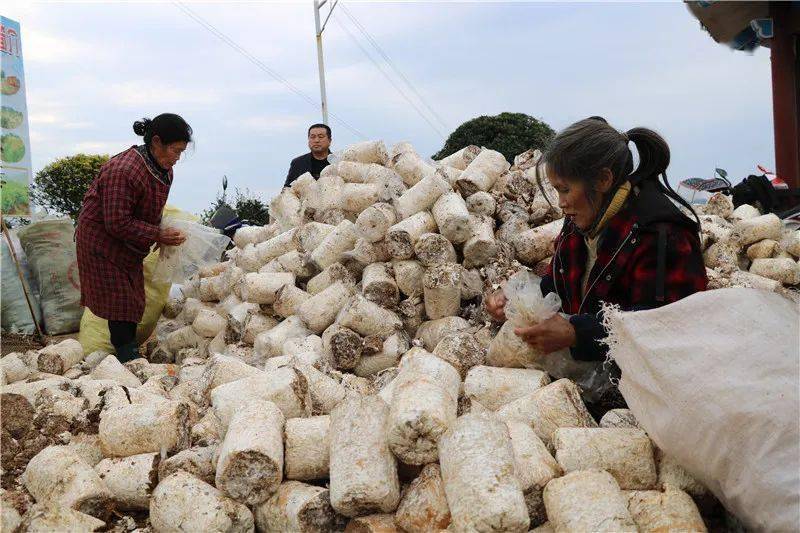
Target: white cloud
<point x="39" y="46"/>
<point x="43" y="118"/>
<point x="77" y="125"/>
<point x="155" y="94"/>
<point x="261" y="88"/>
<point x="261" y="84"/>
<point x="273" y="123"/>
<point x="37" y="137"/>
<point x="101" y="147"/>
<point x="52" y="121"/>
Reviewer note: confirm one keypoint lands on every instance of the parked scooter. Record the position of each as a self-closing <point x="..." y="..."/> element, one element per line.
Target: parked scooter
<point x="767" y="191"/>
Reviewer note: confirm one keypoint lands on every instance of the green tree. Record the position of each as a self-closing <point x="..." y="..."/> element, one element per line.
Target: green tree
<point x="246" y="204"/>
<point x="251" y="208"/>
<point x="60" y="186"/>
<point x="508" y="133"/>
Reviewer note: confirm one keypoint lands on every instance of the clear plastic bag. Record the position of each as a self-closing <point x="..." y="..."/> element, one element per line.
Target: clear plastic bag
<point x="335" y="157"/>
<point x="593" y="377"/>
<point x="203" y="246"/>
<point x="525" y="306"/>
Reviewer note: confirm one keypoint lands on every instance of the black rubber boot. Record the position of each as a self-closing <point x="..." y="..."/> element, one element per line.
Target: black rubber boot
<point x="128" y="352"/>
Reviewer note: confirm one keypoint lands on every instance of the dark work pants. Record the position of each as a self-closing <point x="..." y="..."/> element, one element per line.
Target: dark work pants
<point x="123" y="337"/>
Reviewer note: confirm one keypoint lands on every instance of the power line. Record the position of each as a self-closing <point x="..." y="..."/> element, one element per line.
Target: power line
<point x="391" y="64"/>
<point x="392" y="82"/>
<point x="260" y="64"/>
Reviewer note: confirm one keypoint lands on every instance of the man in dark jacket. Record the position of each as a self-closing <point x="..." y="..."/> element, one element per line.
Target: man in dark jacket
<point x="319" y="141"/>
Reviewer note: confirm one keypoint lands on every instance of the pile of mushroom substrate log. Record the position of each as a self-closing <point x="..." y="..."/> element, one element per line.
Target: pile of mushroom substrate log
<point x="330" y="374"/>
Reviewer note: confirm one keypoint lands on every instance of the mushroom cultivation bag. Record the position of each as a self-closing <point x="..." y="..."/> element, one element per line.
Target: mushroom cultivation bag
<point x="712" y="379"/>
<point x="526" y="306"/>
<point x="203" y="246"/>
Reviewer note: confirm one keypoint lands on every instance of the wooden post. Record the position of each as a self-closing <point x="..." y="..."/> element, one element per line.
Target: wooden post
<point x="785" y="56"/>
<point x="39" y="333"/>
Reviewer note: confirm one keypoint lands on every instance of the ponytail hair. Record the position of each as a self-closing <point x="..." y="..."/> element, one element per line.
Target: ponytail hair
<point x="653" y="154"/>
<point x="581" y="151"/>
<point x="169" y="127"/>
<point x="653" y="162"/>
<point x="140" y="127"/>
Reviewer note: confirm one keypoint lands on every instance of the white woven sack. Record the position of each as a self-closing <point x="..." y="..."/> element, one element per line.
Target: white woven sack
<point x="713" y="379"/>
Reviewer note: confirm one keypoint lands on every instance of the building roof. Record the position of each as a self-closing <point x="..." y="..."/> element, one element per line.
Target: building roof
<point x="740" y="25"/>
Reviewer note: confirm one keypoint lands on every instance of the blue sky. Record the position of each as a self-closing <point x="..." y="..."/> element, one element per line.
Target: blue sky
<point x="93" y="68"/>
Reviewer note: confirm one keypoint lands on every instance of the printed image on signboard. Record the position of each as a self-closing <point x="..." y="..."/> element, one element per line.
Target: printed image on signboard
<point x="15" y="153"/>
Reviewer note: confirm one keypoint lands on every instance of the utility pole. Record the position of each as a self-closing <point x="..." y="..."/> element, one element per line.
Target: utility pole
<point x="320" y="28"/>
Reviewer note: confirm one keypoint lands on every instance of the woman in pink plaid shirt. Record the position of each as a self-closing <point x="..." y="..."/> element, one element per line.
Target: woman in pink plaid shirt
<point x="119" y="223"/>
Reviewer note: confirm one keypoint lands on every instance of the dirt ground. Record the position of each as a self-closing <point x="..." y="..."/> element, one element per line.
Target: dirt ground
<point x="13" y="342"/>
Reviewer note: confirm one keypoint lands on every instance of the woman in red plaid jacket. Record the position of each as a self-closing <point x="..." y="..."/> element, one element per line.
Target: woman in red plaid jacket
<point x="119" y="223"/>
<point x="624" y="240"/>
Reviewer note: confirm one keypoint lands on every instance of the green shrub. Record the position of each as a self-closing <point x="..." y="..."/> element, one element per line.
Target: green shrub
<point x="61" y="185"/>
<point x="246" y="204"/>
<point x="508" y="133"/>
